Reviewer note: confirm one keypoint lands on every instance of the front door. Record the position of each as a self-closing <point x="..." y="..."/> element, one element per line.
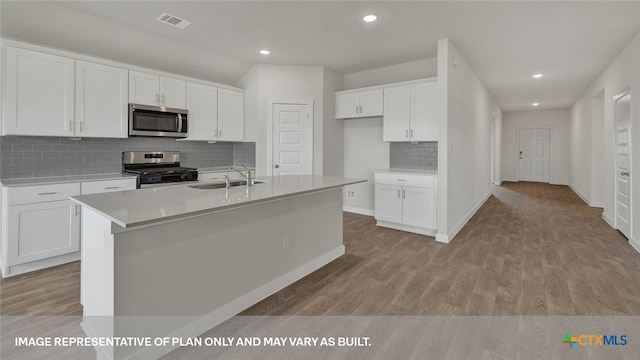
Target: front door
<point x="292" y="139"/>
<point x="533" y="155"/>
<point x="623" y="161"/>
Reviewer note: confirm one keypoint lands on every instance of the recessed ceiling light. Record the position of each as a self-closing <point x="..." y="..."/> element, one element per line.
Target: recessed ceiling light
<point x="535" y="104"/>
<point x="370" y="18"/>
<point x="265" y="52"/>
<point x="537" y="76"/>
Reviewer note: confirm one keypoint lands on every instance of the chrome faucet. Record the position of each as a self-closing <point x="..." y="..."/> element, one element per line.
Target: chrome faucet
<point x="247" y="177"/>
<point x="227" y="181"/>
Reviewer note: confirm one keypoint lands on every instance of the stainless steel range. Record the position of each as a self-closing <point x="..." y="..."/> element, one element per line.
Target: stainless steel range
<point x="155" y="168"/>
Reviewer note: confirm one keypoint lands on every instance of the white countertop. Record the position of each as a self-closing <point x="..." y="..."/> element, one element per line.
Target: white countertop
<point x="219" y="169"/>
<point x="409" y="171"/>
<point x="146" y="206"/>
<point x="62" y="179"/>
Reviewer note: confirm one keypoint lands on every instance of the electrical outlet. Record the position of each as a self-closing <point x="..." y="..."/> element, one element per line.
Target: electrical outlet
<point x="285" y="243"/>
<point x="351" y="194"/>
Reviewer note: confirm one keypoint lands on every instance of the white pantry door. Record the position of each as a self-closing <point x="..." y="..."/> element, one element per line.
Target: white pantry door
<point x="623" y="161"/>
<point x="292" y="139"/>
<point x="533" y="156"/>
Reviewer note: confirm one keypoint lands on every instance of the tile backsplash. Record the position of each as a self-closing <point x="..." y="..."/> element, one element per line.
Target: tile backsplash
<point x="420" y="156"/>
<point x="31" y="156"/>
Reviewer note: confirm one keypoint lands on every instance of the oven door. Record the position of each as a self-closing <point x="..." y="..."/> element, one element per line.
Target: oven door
<point x="157" y="121"/>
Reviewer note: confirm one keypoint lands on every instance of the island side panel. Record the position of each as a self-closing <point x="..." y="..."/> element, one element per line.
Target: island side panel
<point x="218" y="264"/>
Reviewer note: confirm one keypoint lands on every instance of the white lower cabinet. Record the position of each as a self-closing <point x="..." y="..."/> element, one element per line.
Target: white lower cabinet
<point x="405" y="202"/>
<point x="41" y="226"/>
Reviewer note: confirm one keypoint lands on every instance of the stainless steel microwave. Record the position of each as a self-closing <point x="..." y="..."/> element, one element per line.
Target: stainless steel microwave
<point x="147" y="120"/>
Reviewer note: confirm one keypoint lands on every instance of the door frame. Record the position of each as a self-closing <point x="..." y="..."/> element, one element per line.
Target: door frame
<point x="618" y="95"/>
<point x="550" y="128"/>
<point x="271" y="102"/>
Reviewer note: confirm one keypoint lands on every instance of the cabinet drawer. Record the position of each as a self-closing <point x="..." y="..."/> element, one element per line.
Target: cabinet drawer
<point x="41" y="193"/>
<point x="417" y="180"/>
<point x="95" y="187"/>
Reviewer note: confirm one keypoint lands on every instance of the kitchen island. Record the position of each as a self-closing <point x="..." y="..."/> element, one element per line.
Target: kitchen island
<point x="176" y="261"/>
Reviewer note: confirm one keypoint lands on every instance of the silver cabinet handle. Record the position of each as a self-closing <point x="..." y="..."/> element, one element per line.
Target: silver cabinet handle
<point x="360" y="109"/>
<point x="357" y="109"/>
<point x="163" y="98"/>
<point x="624" y="173"/>
<point x="157" y="98"/>
<point x="48" y="193"/>
<point x="404" y="196"/>
<point x="77" y="210"/>
<point x="401" y="179"/>
<point x="219" y="133"/>
<point x="412" y="133"/>
<point x="112" y="187"/>
<point x="406" y="133"/>
<point x="398" y="193"/>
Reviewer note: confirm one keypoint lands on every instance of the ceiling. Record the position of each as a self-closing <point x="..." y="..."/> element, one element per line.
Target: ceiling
<point x="505" y="42"/>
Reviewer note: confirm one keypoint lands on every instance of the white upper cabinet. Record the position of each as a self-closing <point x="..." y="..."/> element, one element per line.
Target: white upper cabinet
<point x="202" y="103"/>
<point x="230" y="115"/>
<point x="154" y="90"/>
<point x="215" y="114"/>
<point x="39" y="94"/>
<point x="366" y="103"/>
<point x="410" y="113"/>
<point x="101" y="101"/>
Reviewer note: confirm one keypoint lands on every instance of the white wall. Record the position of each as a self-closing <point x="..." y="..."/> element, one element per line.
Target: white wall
<point x="364" y="153"/>
<point x="395" y="73"/>
<point x="333" y="129"/>
<point x="266" y="82"/>
<point x="364" y="150"/>
<point x="623" y="72"/>
<point x="464" y="142"/>
<point x="558" y="121"/>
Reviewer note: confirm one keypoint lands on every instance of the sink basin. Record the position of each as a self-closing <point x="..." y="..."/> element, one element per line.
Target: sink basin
<point x="218" y="185"/>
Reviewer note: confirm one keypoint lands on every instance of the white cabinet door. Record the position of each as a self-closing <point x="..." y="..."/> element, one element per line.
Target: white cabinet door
<point x="397" y="113"/>
<point x="202" y="103"/>
<point x="417" y="207"/>
<point x="424" y="121"/>
<point x="39" y="94"/>
<point x="230" y="115"/>
<point x="172" y="93"/>
<point x="43" y="230"/>
<point x="347" y="105"/>
<point x="101" y="101"/>
<point x="371" y="103"/>
<point x="144" y="88"/>
<point x="388" y="203"/>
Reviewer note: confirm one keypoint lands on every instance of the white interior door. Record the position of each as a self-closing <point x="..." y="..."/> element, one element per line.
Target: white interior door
<point x="534" y="155"/>
<point x="623" y="162"/>
<point x="292" y="139"/>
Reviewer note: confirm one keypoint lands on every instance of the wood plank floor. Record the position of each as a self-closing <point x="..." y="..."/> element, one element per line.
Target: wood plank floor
<point x="532" y="249"/>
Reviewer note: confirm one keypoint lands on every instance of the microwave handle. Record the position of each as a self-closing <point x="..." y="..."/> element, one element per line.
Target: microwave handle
<point x="179" y="122"/>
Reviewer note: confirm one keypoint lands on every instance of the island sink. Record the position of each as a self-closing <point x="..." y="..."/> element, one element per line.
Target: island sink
<point x="208" y="186"/>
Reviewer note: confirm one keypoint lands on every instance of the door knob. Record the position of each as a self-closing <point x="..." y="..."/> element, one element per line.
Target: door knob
<point x="277" y="166"/>
<point x="624" y="173"/>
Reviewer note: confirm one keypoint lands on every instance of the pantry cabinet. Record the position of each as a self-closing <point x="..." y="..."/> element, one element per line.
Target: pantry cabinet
<point x="366" y="103"/>
<point x="38" y="93"/>
<point x="154" y="90"/>
<point x="405" y="202"/>
<point x="410" y="113"/>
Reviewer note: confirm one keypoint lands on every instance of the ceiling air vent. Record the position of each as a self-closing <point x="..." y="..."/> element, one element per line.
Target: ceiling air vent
<point x="173" y="20"/>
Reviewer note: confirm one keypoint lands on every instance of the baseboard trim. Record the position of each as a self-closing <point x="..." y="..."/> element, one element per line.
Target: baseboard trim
<point x="13" y="270"/>
<point x="360" y="211"/>
<point x="452" y="234"/>
<point x="575" y="191"/>
<point x="635" y="244"/>
<point x="608" y="220"/>
<point x="408" y="228"/>
<point x="226" y="312"/>
<point x="498" y="183"/>
<point x="597" y="204"/>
